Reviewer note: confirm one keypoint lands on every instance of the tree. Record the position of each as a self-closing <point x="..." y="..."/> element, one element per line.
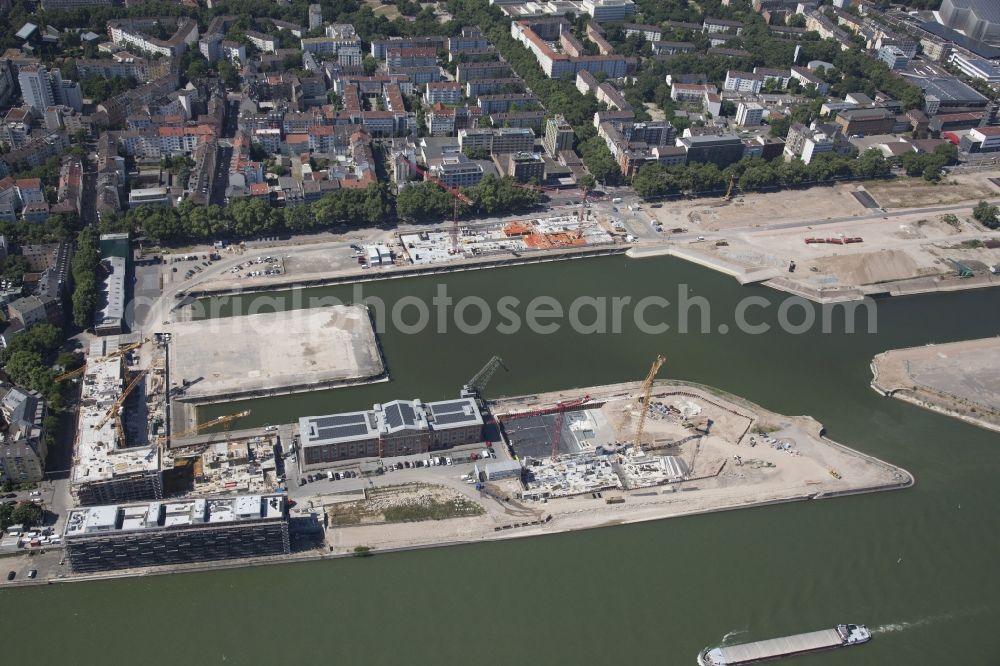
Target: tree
<point x="987" y="214"/>
<point x="423" y="201"/>
<point x="796" y="21"/>
<point x="197" y="69"/>
<point x="28" y="514"/>
<point x="370" y="65"/>
<point x="872" y="164"/>
<point x="230" y="77"/>
<point x="84" y="268"/>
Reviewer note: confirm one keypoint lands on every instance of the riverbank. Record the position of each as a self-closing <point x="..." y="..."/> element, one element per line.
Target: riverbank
<point x="229" y="287"/>
<point x="746" y="457"/>
<point x="751" y="457"/>
<point x="959" y="379"/>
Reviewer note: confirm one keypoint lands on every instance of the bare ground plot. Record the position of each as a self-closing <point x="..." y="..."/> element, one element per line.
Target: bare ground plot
<point x="412" y="502"/>
<point x="894" y="249"/>
<point x="914" y="192"/>
<point x="388" y="11"/>
<point x="751" y="210"/>
<point x="271" y="351"/>
<point x="961" y="378"/>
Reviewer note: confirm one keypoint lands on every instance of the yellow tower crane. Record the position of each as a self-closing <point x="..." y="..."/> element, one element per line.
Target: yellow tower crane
<point x="221" y="420"/>
<point x="642" y="400"/>
<point x="121" y="352"/>
<point x="115" y="410"/>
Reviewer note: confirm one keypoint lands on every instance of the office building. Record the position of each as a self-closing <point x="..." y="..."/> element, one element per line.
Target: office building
<point x="721" y="150"/>
<point x="977" y="68"/>
<point x="127" y="536"/>
<point x="894" y="57"/>
<point x="522" y="166"/>
<point x="497" y="139"/>
<point x="978" y="19"/>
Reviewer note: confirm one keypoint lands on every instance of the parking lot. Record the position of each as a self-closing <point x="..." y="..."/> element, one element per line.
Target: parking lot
<point x="394" y="471"/>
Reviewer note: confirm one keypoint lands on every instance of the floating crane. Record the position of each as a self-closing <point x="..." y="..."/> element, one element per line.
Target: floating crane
<point x="477" y="385"/>
<point x="645" y="390"/>
<point x="121" y="352"/>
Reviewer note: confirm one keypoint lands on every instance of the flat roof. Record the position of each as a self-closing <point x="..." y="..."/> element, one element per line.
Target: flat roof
<point x="389" y="417"/>
<point x="337" y="428"/>
<point x="98" y="455"/>
<point x="152" y="516"/>
<point x="945" y="88"/>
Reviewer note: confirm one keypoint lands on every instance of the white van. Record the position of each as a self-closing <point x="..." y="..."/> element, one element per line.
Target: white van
<point x="616" y="200"/>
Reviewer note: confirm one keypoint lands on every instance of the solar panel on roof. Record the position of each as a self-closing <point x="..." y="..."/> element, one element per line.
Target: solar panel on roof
<point x="448" y="407"/>
<point x="446" y="419"/>
<point x="339" y="432"/>
<point x="340" y="419"/>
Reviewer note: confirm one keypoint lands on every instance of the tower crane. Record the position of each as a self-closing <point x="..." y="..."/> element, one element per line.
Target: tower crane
<point x="645" y="390"/>
<point x="455" y="193"/>
<point x="121" y="352"/>
<point x="115" y="410"/>
<point x="220" y="420"/>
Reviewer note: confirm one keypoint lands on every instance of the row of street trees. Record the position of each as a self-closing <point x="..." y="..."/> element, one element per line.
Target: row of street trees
<point x="350" y="207"/>
<point x="755" y="174"/>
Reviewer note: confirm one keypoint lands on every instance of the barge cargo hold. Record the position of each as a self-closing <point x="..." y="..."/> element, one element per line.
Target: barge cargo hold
<point x="842" y="635"/>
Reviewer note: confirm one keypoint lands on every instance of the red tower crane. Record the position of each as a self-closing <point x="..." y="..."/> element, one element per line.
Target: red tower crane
<point x="455" y="193"/>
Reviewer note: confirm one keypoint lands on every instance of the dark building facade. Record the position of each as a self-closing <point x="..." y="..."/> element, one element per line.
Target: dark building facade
<point x="105" y="538"/>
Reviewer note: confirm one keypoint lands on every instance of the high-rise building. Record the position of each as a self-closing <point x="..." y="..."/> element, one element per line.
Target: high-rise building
<point x="315" y="16"/>
<point x="42" y="88"/>
<point x="558" y="136"/>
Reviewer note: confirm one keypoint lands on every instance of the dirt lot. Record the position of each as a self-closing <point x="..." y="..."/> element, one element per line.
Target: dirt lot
<point x="753" y="210"/>
<point x="961" y="379"/>
<point x="897" y="248"/>
<point x="914" y="192"/>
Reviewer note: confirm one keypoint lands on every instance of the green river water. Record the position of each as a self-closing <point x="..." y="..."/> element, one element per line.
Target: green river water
<point x="919" y="566"/>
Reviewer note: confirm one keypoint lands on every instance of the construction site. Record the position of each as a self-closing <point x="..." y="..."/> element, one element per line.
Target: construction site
<point x="549" y="233"/>
<point x="617" y="454"/>
<point x="124" y="451"/>
<point x="121" y="416"/>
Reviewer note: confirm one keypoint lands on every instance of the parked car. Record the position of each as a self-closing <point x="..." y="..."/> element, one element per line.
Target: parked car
<point x="32" y="573"/>
<point x="10" y="495"/>
<point x="10" y="575"/>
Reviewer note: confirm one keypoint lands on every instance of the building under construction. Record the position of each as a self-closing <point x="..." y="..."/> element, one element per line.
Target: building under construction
<point x="113" y="458"/>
